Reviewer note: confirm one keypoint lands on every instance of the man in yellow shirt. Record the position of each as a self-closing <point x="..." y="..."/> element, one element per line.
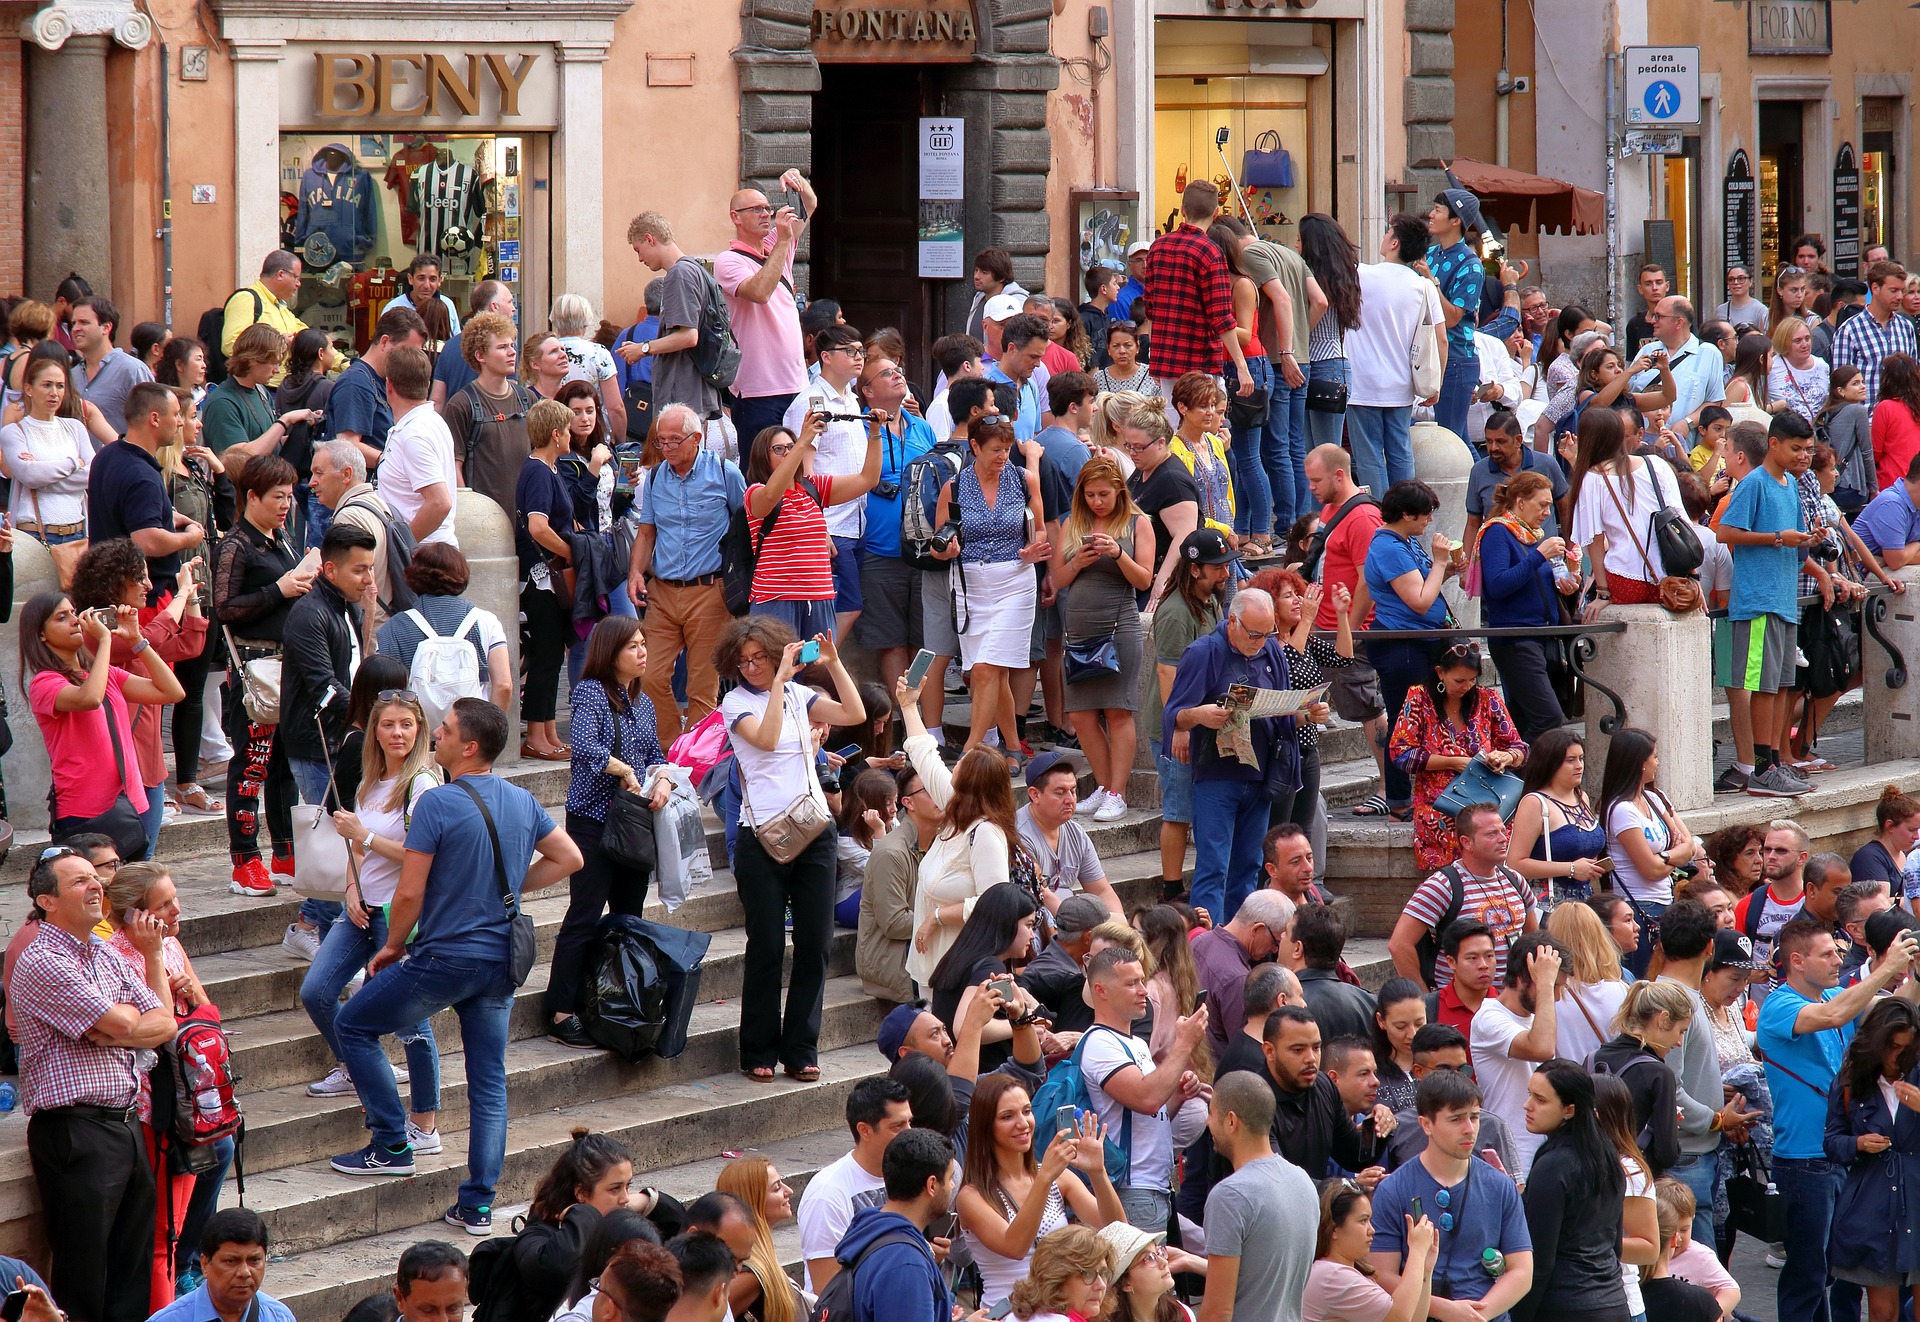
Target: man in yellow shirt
<point x="267" y="299"/>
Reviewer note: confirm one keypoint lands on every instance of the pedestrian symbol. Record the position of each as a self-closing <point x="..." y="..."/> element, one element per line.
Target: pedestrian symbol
<point x="1662" y="99"/>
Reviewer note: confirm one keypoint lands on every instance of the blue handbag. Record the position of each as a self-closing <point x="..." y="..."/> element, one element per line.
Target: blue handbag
<point x="1267" y="163"/>
<point x="1480" y="783"/>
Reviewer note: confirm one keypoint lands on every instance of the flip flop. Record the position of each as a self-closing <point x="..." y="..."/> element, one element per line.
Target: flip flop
<point x="1374" y="805"/>
<point x="760" y="1073"/>
<point x="804" y="1073"/>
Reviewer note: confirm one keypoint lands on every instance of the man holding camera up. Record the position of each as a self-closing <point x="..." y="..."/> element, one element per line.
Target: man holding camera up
<point x="1697" y="378"/>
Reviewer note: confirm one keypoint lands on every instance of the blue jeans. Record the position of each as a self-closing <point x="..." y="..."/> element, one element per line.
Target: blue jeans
<point x="1456" y="395"/>
<point x="401" y="996"/>
<point x="1229" y="822"/>
<point x="1286" y="454"/>
<point x="1382" y="446"/>
<point x="1252" y="495"/>
<point x="150" y="819"/>
<point x="343" y="953"/>
<point x="311" y="778"/>
<point x="1810" y="1186"/>
<point x="1325" y="428"/>
<point x="1698" y="1173"/>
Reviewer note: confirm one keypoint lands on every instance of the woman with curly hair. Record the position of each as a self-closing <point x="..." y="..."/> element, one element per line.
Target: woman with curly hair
<point x="1735" y="854"/>
<point x="1067" y="1279"/>
<point x="1066" y="330"/>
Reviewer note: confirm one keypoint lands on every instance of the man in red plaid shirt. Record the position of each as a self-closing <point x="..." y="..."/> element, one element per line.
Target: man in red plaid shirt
<point x="1189" y="297"/>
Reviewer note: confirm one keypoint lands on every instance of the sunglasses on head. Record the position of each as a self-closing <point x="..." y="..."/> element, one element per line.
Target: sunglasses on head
<point x="398" y="695"/>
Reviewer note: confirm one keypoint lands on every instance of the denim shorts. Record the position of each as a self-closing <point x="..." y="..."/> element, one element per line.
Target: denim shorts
<point x="1176" y="786"/>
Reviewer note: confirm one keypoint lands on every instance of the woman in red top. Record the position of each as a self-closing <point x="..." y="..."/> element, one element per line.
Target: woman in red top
<point x="113" y="574"/>
<point x="1253" y="489"/>
<point x="1896" y="419"/>
<point x="793" y="568"/>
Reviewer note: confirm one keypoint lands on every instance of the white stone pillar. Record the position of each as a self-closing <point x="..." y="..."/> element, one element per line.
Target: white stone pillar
<point x="256" y="154"/>
<point x="1443" y="461"/>
<point x="25" y="766"/>
<point x="1893" y="715"/>
<point x="486" y="540"/>
<point x="1662" y="668"/>
<point x="579" y="225"/>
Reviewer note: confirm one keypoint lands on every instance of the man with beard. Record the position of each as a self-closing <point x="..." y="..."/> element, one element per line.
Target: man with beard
<point x="902" y="1280"/>
<point x="1515" y="1031"/>
<point x="1762" y="913"/>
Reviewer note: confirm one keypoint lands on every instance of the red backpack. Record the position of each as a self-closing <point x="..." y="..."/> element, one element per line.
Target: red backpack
<point x="204" y="1109"/>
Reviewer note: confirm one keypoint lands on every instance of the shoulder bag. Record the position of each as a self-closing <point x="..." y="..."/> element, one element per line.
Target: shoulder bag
<point x="1679" y="594"/>
<point x="66" y="555"/>
<point x="786" y="835"/>
<point x="120" y="823"/>
<point x="259" y="682"/>
<point x="628" y="838"/>
<point x="322" y="863"/>
<point x="1429" y="369"/>
<point x="520" y="932"/>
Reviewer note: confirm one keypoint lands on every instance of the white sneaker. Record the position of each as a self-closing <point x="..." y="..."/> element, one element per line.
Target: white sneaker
<point x="359" y="981"/>
<point x="336" y="1084"/>
<point x="425" y="1142"/>
<point x="1112" y="810"/>
<point x="1092" y="802"/>
<point x="302" y="942"/>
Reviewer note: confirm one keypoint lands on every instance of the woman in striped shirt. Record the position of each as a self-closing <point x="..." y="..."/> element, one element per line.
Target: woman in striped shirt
<point x="793" y="569"/>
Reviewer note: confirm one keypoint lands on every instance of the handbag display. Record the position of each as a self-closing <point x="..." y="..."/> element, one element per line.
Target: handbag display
<point x="120" y="823"/>
<point x="1267" y="164"/>
<point x="520" y="930"/>
<point x="1678" y="594"/>
<point x="786" y="835"/>
<point x="628" y="838"/>
<point x="1325" y="396"/>
<point x="1429" y="368"/>
<point x="1097" y="656"/>
<point x="322" y="863"/>
<point x="66" y="555"/>
<point x="1480" y="783"/>
<point x="259" y="683"/>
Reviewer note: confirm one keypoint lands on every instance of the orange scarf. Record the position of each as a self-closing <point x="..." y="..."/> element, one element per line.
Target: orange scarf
<point x="1523" y="534"/>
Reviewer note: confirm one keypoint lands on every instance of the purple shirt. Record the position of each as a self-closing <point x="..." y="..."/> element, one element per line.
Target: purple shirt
<point x="1223" y="965"/>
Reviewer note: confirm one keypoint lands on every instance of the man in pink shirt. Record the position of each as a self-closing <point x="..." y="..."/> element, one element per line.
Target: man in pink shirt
<point x="756" y="274"/>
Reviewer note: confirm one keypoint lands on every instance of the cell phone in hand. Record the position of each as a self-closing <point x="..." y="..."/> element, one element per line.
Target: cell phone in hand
<point x="809" y="652"/>
<point x="943" y="1227"/>
<point x="13" y="1305"/>
<point x="918" y="668"/>
<point x="1067" y="1119"/>
<point x="1416" y="1209"/>
<point x="1004" y="986"/>
<point x="851" y="750"/>
<point x="1200" y="999"/>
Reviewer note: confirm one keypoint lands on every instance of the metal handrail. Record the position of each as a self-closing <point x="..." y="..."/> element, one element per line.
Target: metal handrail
<point x="1872" y="612"/>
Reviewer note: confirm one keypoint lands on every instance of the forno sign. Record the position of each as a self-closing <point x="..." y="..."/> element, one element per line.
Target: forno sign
<point x="846" y="31"/>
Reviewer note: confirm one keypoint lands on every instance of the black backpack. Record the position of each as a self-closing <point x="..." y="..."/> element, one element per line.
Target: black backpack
<point x="213" y="326"/>
<point x="1317" y="547"/>
<point x="737" y="550"/>
<point x="1681" y="553"/>
<point x="716" y="355"/>
<point x="836" y="1302"/>
<point x="400" y="549"/>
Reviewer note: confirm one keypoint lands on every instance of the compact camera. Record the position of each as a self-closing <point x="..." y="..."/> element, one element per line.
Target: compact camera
<point x="887" y="490"/>
<point x="946" y="536"/>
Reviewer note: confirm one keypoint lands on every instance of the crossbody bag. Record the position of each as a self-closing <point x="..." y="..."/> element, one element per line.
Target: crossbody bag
<point x="1679" y="595"/>
<point x="786" y="835"/>
<point x="520" y="925"/>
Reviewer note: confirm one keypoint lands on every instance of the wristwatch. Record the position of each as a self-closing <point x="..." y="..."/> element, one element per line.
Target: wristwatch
<point x="646" y="348"/>
<point x="141" y="646"/>
<point x="367" y="844"/>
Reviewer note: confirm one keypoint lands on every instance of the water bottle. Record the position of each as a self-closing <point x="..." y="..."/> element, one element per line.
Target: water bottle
<point x="9" y="1097"/>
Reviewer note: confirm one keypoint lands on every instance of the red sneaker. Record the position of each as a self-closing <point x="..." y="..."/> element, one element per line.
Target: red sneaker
<point x="283" y="867"/>
<point x="251" y="878"/>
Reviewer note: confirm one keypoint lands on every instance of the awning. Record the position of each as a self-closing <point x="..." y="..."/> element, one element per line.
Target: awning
<point x="1514" y="199"/>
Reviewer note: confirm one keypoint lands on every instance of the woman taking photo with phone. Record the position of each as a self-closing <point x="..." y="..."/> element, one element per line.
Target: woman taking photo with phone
<point x="1341" y="1286"/>
<point x="793" y="564"/>
<point x="997" y="934"/>
<point x="1008" y="1199"/>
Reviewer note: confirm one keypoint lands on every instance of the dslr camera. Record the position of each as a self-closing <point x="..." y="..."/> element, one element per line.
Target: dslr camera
<point x="946" y="536"/>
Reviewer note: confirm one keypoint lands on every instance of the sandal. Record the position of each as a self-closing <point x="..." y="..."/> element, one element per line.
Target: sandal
<point x="1401" y="814"/>
<point x="759" y="1073"/>
<point x="1374" y="805"/>
<point x="194" y="799"/>
<point x="1816" y="765"/>
<point x="804" y="1073"/>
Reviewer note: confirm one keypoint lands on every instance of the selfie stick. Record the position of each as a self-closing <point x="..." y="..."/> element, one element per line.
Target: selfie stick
<point x="1220" y="136"/>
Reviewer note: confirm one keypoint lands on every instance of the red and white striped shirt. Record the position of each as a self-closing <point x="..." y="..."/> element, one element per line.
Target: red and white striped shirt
<point x="60" y="989"/>
<point x="796" y="564"/>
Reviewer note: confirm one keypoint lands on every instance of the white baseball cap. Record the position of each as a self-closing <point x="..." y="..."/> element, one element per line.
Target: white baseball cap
<point x="1138" y="246"/>
<point x="1002" y="307"/>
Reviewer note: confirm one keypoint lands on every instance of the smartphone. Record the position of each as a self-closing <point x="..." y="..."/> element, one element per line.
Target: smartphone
<point x="13" y="1305"/>
<point x="809" y="652"/>
<point x="1067" y="1119"/>
<point x="944" y="1227"/>
<point x="1001" y="1309"/>
<point x="1414" y="1207"/>
<point x="1003" y="985"/>
<point x="849" y="751"/>
<point x="921" y="664"/>
<point x="1200" y="999"/>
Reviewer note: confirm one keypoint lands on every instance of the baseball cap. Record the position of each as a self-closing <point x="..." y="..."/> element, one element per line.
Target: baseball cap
<point x="1732" y="950"/>
<point x="894" y="1029"/>
<point x="1464" y="205"/>
<point x="1206" y="546"/>
<point x="1138" y="246"/>
<point x="1079" y="913"/>
<point x="1885" y="927"/>
<point x="1003" y="306"/>
<point x="1125" y="1244"/>
<point x="1041" y="764"/>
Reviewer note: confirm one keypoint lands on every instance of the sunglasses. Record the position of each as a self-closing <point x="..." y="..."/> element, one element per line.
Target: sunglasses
<point x="398" y="695"/>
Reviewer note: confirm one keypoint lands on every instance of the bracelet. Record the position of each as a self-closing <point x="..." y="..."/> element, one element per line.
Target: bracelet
<point x="141" y="646"/>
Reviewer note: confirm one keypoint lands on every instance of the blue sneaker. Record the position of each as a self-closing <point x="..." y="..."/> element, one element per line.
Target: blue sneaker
<point x="374" y="1159"/>
<point x="477" y="1221"/>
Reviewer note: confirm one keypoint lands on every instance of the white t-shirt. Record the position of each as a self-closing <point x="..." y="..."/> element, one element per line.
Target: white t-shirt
<point x="772" y="779"/>
<point x="1502" y="1078"/>
<point x="420" y="453"/>
<point x="1104" y="1053"/>
<point x="1626" y="816"/>
<point x="939" y="416"/>
<point x="1716" y="571"/>
<point x="1597" y="513"/>
<point x="1573" y="1037"/>
<point x="1393" y="301"/>
<point x="589" y="361"/>
<point x="841" y="450"/>
<point x="1638" y="1186"/>
<point x="828" y="1205"/>
<point x="380" y="876"/>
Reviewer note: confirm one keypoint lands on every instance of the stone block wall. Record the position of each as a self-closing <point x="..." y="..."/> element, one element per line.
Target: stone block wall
<point x="1428" y="99"/>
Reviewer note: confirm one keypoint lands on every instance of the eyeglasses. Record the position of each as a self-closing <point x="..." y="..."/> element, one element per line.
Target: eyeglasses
<point x="764" y="209"/>
<point x="779" y="448"/>
<point x="398" y="695"/>
<point x="850" y="350"/>
<point x="608" y="1295"/>
<point x="910" y="793"/>
<point x="762" y="659"/>
<point x="675" y="437"/>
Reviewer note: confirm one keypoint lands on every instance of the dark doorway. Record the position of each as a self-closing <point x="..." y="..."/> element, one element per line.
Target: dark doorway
<point x="866" y="162"/>
<point x="1782" y="200"/>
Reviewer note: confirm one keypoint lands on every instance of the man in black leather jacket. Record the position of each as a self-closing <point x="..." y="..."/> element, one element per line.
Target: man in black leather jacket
<point x="320" y="652"/>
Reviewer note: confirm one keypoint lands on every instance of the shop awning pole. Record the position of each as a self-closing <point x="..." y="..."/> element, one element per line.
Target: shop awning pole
<point x="1613" y="190"/>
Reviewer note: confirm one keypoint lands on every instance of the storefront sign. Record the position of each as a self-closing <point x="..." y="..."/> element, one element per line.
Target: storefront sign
<point x="1738" y="219"/>
<point x="943" y="151"/>
<point x="923" y="32"/>
<point x="1846" y="212"/>
<point x="392" y="88"/>
<point x="1789" y="27"/>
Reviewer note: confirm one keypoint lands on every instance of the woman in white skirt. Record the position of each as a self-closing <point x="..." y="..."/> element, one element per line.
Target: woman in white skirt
<point x="1002" y="537"/>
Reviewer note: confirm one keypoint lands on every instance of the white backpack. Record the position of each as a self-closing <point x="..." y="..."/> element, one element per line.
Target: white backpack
<point x="445" y="667"/>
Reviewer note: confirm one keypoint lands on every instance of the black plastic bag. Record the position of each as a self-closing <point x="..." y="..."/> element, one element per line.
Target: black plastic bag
<point x="642" y="980"/>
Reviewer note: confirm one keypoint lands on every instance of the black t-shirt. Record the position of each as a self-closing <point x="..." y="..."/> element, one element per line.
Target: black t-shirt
<point x="1243" y="1053"/>
<point x="946" y="1007"/>
<point x="1170" y="484"/>
<point x="539" y="491"/>
<point x="1670" y="1299"/>
<point x="1639" y="330"/>
<point x="1872" y="862"/>
<point x="125" y="494"/>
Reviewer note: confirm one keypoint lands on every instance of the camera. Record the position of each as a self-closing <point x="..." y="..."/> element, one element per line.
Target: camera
<point x="946" y="536"/>
<point x="1824" y="551"/>
<point x="887" y="490"/>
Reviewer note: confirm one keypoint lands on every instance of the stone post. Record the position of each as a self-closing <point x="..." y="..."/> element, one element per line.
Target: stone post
<point x="1662" y="668"/>
<point x="25" y="767"/>
<point x="68" y="218"/>
<point x="1443" y="461"/>
<point x="486" y="539"/>
<point x="1893" y="715"/>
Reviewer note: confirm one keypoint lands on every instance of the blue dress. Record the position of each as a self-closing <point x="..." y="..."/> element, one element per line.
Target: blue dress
<point x="1570" y="841"/>
<point x="1876" y="1222"/>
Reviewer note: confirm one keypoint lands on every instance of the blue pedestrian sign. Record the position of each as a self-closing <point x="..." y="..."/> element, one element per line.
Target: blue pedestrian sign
<point x="1662" y="86"/>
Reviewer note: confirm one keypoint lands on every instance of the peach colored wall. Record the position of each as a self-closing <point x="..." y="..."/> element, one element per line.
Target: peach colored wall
<point x="1071" y="118"/>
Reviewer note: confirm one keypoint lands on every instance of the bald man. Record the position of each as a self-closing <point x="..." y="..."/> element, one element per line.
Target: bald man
<point x="756" y="274"/>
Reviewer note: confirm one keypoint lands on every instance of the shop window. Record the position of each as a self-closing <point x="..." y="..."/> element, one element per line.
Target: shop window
<point x="1258" y="111"/>
<point x="1682" y="183"/>
<point x="359" y="207"/>
<point x="1879" y="191"/>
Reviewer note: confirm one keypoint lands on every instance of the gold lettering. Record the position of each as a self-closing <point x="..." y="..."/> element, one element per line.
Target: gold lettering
<point x="901" y="17"/>
<point x="825" y="24"/>
<point x="389" y="81"/>
<point x="328" y="84"/>
<point x="943" y="26"/>
<point x="876" y="24"/>
<point x="510" y="81"/>
<point x="963" y="27"/>
<point x="920" y="32"/>
<point x="440" y="76"/>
